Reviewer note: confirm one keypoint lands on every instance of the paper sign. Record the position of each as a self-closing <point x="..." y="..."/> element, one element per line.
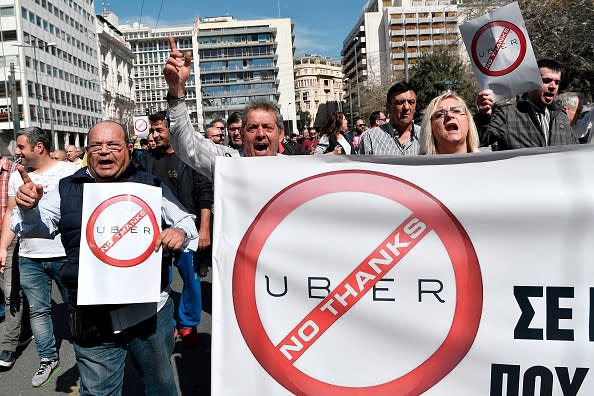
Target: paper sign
<point x="500" y="52"/>
<point x="118" y="264"/>
<point x="141" y="126"/>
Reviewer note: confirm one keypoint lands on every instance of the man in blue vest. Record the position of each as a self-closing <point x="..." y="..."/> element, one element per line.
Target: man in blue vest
<point x="100" y="351"/>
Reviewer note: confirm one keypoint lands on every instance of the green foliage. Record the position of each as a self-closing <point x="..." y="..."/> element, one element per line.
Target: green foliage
<point x="564" y="31"/>
<point x="438" y="71"/>
<point x="304" y="120"/>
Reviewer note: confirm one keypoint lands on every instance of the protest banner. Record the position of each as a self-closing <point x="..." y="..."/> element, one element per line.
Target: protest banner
<point x="447" y="275"/>
<point x="118" y="264"/>
<point x="501" y="53"/>
<point x="141" y="126"/>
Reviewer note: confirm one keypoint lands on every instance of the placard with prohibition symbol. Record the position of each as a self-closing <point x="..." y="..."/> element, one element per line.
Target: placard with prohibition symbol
<point x="501" y="53"/>
<point x="141" y="126"/>
<point x="117" y="260"/>
<point x="425" y="231"/>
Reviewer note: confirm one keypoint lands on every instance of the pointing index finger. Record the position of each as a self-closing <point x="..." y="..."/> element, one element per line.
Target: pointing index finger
<point x="173" y="46"/>
<point x="24" y="174"/>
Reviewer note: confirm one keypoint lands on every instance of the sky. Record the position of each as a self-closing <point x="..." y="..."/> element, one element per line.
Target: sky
<point x="320" y="25"/>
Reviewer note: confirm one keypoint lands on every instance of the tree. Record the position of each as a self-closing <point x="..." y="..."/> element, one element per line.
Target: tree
<point x="564" y="30"/>
<point x="435" y="72"/>
<point x="303" y="120"/>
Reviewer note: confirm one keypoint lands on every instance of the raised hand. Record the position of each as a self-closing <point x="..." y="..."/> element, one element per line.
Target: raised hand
<point x="29" y="193"/>
<point x="484" y="102"/>
<point x="177" y="70"/>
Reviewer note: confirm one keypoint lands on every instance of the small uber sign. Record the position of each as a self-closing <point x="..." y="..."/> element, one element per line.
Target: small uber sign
<point x="501" y="54"/>
<point x="141" y="126"/>
<point x="118" y="264"/>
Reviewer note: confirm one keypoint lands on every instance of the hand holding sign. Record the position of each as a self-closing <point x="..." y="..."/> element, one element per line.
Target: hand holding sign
<point x="484" y="102"/>
<point x="29" y="193"/>
<point x="171" y="238"/>
<point x="177" y="69"/>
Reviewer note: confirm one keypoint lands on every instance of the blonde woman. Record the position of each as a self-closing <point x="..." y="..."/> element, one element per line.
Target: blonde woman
<point x="448" y="127"/>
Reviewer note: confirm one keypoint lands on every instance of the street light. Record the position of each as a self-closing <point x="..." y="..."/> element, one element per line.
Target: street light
<point x="35" y="62"/>
<point x="346" y="80"/>
<point x="356" y="40"/>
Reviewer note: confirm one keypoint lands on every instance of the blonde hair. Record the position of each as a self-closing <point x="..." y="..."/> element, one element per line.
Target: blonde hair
<point x="428" y="146"/>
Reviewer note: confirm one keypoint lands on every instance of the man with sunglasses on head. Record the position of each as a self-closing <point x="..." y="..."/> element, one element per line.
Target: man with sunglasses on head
<point x="400" y="136"/>
<point x="532" y="121"/>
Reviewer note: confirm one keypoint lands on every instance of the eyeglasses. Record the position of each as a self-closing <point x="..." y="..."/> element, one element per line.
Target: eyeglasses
<point x="360" y="125"/>
<point x="454" y="111"/>
<point x="234" y="129"/>
<point x="111" y="146"/>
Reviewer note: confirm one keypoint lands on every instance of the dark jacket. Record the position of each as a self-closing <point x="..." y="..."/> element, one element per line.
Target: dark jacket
<point x="516" y="125"/>
<point x="70" y="226"/>
<point x="334" y="142"/>
<point x="194" y="191"/>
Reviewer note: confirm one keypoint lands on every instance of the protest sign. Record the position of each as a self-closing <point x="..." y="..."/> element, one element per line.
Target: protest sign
<point x="501" y="53"/>
<point x="118" y="264"/>
<point x="465" y="274"/>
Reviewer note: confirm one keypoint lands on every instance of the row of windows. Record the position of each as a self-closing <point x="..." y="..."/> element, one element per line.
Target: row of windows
<point x="59" y="33"/>
<point x="66" y="98"/>
<point x="59" y="53"/>
<point x="237" y="88"/>
<point x="236" y="39"/>
<point x="56" y="72"/>
<point x="183" y="44"/>
<point x="72" y="4"/>
<point x="238" y="100"/>
<point x="247" y="76"/>
<point x="237" y="64"/>
<point x="238" y="52"/>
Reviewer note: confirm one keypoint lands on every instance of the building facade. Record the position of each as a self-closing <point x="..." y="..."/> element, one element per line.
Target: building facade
<point x="151" y="48"/>
<point x="245" y="60"/>
<point x="389" y="37"/>
<point x="318" y="88"/>
<point x="234" y="62"/>
<point x="117" y="59"/>
<point x="52" y="49"/>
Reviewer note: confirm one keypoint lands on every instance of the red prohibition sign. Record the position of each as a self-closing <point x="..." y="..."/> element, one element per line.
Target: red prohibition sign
<point x="100" y="251"/>
<point x="469" y="289"/>
<point x="507" y="28"/>
<point x="140" y="125"/>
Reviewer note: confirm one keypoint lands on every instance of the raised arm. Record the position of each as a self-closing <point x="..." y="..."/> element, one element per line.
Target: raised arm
<point x="190" y="146"/>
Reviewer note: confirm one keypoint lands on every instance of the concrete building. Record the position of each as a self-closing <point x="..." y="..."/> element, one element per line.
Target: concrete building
<point x="390" y="35"/>
<point x="318" y="87"/>
<point x="151" y="48"/>
<point x="52" y="47"/>
<point x="116" y="64"/>
<point x="234" y="62"/>
<point x="243" y="60"/>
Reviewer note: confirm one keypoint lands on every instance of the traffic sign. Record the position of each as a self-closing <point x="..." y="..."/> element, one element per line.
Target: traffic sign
<point x="428" y="215"/>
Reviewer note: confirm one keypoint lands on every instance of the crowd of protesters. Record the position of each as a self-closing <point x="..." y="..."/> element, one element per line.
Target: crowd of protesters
<point x="41" y="200"/>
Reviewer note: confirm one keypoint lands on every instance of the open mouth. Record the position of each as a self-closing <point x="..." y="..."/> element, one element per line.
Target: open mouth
<point x="451" y="127"/>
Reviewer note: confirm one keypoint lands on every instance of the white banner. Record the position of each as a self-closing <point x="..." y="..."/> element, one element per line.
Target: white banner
<point x="446" y="275"/>
<point x="141" y="126"/>
<point x="118" y="264"/>
<point x="501" y="53"/>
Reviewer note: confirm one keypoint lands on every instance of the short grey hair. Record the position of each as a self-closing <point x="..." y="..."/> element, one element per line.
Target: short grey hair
<point x="265" y="105"/>
<point x="571" y="100"/>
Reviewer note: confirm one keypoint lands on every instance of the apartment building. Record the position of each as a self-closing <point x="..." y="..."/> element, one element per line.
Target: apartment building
<point x="234" y="62"/>
<point x="318" y="87"/>
<point x="117" y="59"/>
<point x="245" y="60"/>
<point x="52" y="48"/>
<point x="389" y="37"/>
